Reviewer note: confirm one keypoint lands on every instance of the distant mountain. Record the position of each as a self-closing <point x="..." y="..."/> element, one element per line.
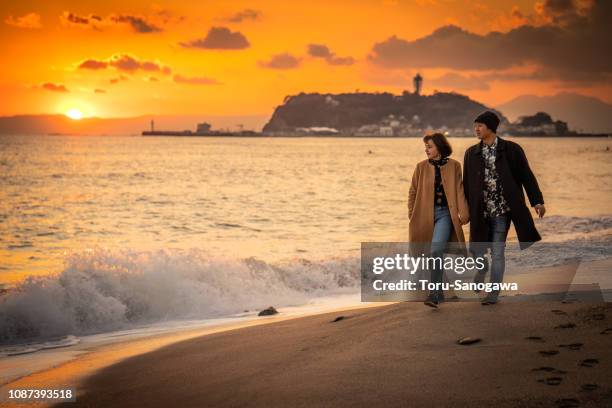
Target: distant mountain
<point x="54" y="124"/>
<point x="372" y="113"/>
<point x="582" y="113"/>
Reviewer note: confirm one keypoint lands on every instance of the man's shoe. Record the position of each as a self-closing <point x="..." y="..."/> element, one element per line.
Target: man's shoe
<point x="488" y="301"/>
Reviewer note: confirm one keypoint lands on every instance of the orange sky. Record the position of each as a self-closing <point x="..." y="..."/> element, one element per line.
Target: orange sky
<point x="42" y="48"/>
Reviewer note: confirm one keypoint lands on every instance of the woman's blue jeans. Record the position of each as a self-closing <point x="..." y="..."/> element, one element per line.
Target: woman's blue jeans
<point x="441" y="234"/>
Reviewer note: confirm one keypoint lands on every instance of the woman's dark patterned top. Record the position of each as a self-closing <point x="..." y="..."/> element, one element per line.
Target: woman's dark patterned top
<point x="439" y="195"/>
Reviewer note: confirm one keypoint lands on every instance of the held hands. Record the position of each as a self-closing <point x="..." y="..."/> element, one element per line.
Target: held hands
<point x="540" y="210"/>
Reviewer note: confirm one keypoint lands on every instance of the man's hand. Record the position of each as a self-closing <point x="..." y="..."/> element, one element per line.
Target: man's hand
<point x="540" y="210"/>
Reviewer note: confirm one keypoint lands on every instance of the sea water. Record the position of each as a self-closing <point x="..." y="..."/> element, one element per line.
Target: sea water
<point x="99" y="234"/>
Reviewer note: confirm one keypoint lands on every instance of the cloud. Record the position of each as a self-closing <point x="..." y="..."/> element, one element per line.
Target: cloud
<point x="247" y="14"/>
<point x="54" y="87"/>
<point x="281" y="61"/>
<point x="30" y="20"/>
<point x="126" y="63"/>
<point x="574" y="48"/>
<point x="563" y="12"/>
<point x="219" y="38"/>
<point x="322" y="51"/>
<point x="195" y="80"/>
<point x="138" y="24"/>
<point x="93" y="64"/>
<point x="69" y="19"/>
<point x="319" y="50"/>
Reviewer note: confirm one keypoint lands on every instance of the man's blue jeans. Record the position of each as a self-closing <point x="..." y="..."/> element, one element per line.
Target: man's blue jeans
<point x="498" y="232"/>
<point x="441" y="234"/>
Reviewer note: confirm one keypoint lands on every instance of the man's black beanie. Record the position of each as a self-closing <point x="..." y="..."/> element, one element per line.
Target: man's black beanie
<point x="490" y="119"/>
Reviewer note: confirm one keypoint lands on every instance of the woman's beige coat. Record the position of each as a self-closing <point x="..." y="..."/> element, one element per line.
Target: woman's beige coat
<point x="421" y="201"/>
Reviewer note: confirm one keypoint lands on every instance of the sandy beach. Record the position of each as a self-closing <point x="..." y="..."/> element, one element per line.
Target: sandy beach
<point x="532" y="353"/>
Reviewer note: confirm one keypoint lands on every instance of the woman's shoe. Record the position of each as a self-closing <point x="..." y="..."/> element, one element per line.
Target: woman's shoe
<point x="431" y="303"/>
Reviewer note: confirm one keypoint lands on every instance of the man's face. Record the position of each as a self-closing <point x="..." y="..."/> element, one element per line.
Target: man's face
<point x="481" y="130"/>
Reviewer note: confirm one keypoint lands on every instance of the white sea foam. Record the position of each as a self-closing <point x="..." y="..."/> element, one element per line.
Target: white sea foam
<point x="101" y="290"/>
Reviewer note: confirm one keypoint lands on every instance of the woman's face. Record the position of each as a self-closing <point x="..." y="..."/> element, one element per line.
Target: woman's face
<point x="431" y="150"/>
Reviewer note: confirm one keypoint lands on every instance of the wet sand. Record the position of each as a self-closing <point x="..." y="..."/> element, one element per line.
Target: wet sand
<point x="83" y="362"/>
<point x="533" y="353"/>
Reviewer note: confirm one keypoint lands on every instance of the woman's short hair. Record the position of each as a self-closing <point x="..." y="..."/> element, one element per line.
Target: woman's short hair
<point x="438" y="139"/>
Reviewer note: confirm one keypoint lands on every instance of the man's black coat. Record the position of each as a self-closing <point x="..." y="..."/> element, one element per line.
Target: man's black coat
<point x="515" y="174"/>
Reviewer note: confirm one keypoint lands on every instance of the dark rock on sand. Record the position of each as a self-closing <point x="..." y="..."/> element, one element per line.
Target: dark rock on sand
<point x="267" y="312"/>
<point x="549" y="352"/>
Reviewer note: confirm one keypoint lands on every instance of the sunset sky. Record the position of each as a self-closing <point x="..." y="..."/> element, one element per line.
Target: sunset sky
<point x="131" y="57"/>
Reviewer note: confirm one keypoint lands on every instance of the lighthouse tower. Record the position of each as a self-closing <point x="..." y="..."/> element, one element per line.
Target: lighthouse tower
<point x="418" y="83"/>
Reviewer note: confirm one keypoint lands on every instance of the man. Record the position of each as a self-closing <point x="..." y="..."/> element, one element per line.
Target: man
<point x="495" y="171"/>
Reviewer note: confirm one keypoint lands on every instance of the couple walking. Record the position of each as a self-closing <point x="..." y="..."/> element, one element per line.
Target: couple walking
<point x="489" y="195"/>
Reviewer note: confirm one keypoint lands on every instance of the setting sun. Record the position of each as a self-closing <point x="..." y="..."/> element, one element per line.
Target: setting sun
<point x="74" y="113"/>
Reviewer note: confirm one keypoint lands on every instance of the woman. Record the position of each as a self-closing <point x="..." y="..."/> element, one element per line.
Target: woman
<point x="437" y="207"/>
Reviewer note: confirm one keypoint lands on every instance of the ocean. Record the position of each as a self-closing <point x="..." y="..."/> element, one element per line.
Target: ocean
<point x="105" y="233"/>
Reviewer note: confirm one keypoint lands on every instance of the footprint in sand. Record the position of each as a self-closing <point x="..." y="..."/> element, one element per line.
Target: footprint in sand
<point x="598" y="316"/>
<point x="589" y="387"/>
<point x="566" y="326"/>
<point x="337" y="319"/>
<point x="607" y="331"/>
<point x="567" y="403"/>
<point x="589" y="362"/>
<point x="548" y="352"/>
<point x="535" y="338"/>
<point x="551" y="380"/>
<point x="549" y="370"/>
<point x="559" y="312"/>
<point x="572" y="346"/>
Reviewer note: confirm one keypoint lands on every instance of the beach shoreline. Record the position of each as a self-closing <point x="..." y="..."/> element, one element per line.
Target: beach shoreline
<point x="371" y="355"/>
<point x="379" y="356"/>
<point x="78" y="363"/>
<point x="528" y="313"/>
